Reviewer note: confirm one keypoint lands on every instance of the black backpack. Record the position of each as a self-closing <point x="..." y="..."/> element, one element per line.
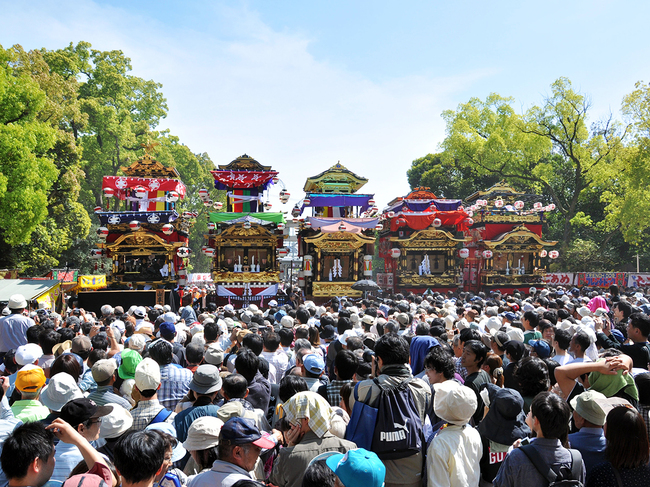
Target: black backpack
<point x="398" y="430"/>
<point x="555" y="480"/>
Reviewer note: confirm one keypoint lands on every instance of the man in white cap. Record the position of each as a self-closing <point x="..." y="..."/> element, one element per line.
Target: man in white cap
<point x="455" y="452"/>
<point x="148" y="410"/>
<point x="13" y="328"/>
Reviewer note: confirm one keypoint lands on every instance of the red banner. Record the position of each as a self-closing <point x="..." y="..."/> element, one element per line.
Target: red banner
<point x="122" y="185"/>
<point x="456" y="218"/>
<point x="242" y="179"/>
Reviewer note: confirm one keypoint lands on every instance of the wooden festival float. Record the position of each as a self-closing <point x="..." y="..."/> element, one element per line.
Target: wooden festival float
<point x="337" y="239"/>
<point x="419" y="243"/>
<point x="245" y="240"/>
<point x="143" y="238"/>
<point x="506" y="251"/>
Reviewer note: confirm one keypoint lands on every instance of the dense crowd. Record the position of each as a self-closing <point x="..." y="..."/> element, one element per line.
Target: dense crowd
<point x="442" y="389"/>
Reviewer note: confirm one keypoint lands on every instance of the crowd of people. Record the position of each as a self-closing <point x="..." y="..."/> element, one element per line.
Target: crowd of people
<point x="457" y="389"/>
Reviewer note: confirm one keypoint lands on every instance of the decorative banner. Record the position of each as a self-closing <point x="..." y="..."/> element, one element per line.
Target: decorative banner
<point x="48" y="300"/>
<point x="385" y="280"/>
<point x="420" y="221"/>
<point x="199" y="277"/>
<point x="601" y="279"/>
<point x="559" y="279"/>
<point x="160" y="297"/>
<point x="242" y="179"/>
<point x="122" y="185"/>
<point x="338" y="200"/>
<point x="92" y="282"/>
<point x="638" y="280"/>
<point x="12" y="274"/>
<point x="365" y="223"/>
<point x="152" y="217"/>
<point x="259" y="218"/>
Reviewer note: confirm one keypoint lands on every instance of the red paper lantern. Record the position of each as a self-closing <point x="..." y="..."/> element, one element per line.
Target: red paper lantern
<point x="306" y="202"/>
<point x="470" y="221"/>
<point x="487" y="254"/>
<point x="109" y="192"/>
<point x="134" y="225"/>
<point x="371" y="202"/>
<point x="553" y="254"/>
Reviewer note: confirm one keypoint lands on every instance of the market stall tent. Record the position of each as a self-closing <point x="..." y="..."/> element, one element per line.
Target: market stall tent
<point x="46" y="292"/>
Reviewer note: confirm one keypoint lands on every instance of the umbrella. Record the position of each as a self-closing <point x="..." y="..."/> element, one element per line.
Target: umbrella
<point x="365" y="285"/>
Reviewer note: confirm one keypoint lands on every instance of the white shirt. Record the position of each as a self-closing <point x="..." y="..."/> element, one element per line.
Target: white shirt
<point x="453" y="457"/>
<point x="277" y="360"/>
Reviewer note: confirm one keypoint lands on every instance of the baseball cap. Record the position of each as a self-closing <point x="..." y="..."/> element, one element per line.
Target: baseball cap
<point x="358" y="467"/>
<point x="79" y="410"/>
<point x="59" y="390"/>
<point x="541" y="348"/>
<point x="167" y="329"/>
<point x="130" y="360"/>
<point x="81" y="344"/>
<point x="240" y="431"/>
<point x="147" y="375"/>
<point x="30" y="378"/>
<point x="139" y="312"/>
<point x="206" y="379"/>
<point x="313" y="363"/>
<point x="28" y="354"/>
<point x="104" y="369"/>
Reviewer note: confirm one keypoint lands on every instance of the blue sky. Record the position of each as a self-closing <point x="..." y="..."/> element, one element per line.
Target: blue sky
<point x="301" y="85"/>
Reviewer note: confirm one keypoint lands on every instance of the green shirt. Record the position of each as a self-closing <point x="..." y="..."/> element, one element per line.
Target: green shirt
<point x="531" y="335"/>
<point x="29" y="410"/>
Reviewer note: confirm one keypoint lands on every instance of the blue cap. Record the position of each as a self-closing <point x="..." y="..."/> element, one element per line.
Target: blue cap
<point x="541" y="348"/>
<point x="278" y="316"/>
<point x="240" y="431"/>
<point x="167" y="329"/>
<point x="314" y="363"/>
<point x="510" y="316"/>
<point x="358" y="467"/>
<point x="618" y="335"/>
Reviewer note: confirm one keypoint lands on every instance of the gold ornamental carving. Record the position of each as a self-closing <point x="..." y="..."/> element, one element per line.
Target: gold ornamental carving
<point x="331" y="289"/>
<point x="416" y="280"/>
<point x="267" y="276"/>
<point x="339" y="241"/>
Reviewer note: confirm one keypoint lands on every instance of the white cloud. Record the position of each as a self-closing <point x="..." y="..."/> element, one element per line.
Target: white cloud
<point x="260" y="92"/>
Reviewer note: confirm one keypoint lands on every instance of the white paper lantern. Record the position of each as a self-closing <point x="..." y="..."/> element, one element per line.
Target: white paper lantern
<point x="498" y="203"/>
<point x="140" y="192"/>
<point x="168" y="229"/>
<point x="172" y="196"/>
<point x="391" y="214"/>
<point x="551" y="207"/>
<point x="395" y="252"/>
<point x="379" y="227"/>
<point x="553" y="254"/>
<point x="470" y="221"/>
<point x="109" y="192"/>
<point x="247" y="225"/>
<point x="267" y="206"/>
<point x="463" y="253"/>
<point x="519" y="205"/>
<point x="281" y="226"/>
<point x="203" y="193"/>
<point x="538" y="206"/>
<point x="543" y="253"/>
<point x="102" y="232"/>
<point x="487" y="254"/>
<point x="212" y="226"/>
<point x="183" y="252"/>
<point x="134" y="225"/>
<point x="437" y="222"/>
<point x="217" y="205"/>
<point x="371" y="202"/>
<point x="306" y="202"/>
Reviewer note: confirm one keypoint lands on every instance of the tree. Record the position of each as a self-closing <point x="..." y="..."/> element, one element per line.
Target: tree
<point x="549" y="149"/>
<point x="27" y="170"/>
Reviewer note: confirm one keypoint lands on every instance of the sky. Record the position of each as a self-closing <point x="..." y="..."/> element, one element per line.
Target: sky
<point x="301" y="85"/>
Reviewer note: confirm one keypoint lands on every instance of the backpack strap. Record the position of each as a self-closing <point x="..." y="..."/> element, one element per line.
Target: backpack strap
<point x="576" y="464"/>
<point x="533" y="455"/>
<point x="162" y="415"/>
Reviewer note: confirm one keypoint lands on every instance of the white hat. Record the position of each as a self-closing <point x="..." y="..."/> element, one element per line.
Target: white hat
<point x="6" y="311"/>
<point x="119" y="325"/>
<point x="454" y="402"/>
<point x="59" y="390"/>
<point x="147" y="375"/>
<point x="137" y="342"/>
<point x="167" y="308"/>
<point x="347" y="334"/>
<point x="229" y="307"/>
<point x="584" y="311"/>
<point x="17" y="301"/>
<point x="115" y="423"/>
<point x="203" y="433"/>
<point x="515" y="334"/>
<point x="493" y="323"/>
<point x="449" y="322"/>
<point x="272" y="303"/>
<point x="253" y="308"/>
<point x="28" y="354"/>
<point x="286" y="322"/>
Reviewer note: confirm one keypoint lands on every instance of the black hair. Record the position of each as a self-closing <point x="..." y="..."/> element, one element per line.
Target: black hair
<point x="532" y="317"/>
<point x="263" y="367"/>
<point x="247" y="483"/>
<point x="161" y="352"/>
<point x="302" y="333"/>
<point x="549" y="315"/>
<point x="346" y="363"/>
<point x="211" y="332"/>
<point x="318" y="474"/>
<point x="253" y="342"/>
<point x="66" y="363"/>
<point x="582" y="339"/>
<point x="33" y="333"/>
<point x="343" y="324"/>
<point x="440" y="360"/>
<point x="553" y="414"/>
<point x="354" y="343"/>
<point x="286" y="337"/>
<point x="47" y="339"/>
<point x="302" y="315"/>
<point x="391" y="327"/>
<point x="291" y="385"/>
<point x="247" y="363"/>
<point x="271" y="341"/>
<point x="563" y="338"/>
<point x="25" y="444"/>
<point x="100" y="342"/>
<point x="468" y="334"/>
<point x="194" y="353"/>
<point x="624" y="308"/>
<point x="532" y="375"/>
<point x="66" y="334"/>
<point x="422" y="328"/>
<point x="642" y="322"/>
<point x="235" y="386"/>
<point x="544" y="325"/>
<point x="392" y="349"/>
<point x="138" y="455"/>
<point x="479" y="349"/>
<point x="95" y="356"/>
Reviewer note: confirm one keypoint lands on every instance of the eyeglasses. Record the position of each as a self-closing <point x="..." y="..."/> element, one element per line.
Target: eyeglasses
<point x="96" y="420"/>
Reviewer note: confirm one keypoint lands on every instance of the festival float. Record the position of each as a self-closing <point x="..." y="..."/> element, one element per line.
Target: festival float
<point x="507" y="250"/>
<point x="337" y="235"/>
<point x="419" y="239"/>
<point x="143" y="238"/>
<point x="246" y="240"/>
